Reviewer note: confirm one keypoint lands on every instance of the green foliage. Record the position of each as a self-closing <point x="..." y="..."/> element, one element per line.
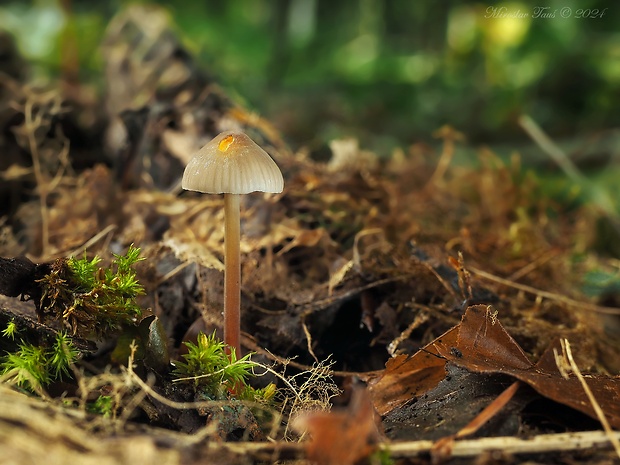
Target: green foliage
<point x="381" y="457"/>
<point x="118" y="281"/>
<point x="62" y="354"/>
<point x="218" y="374"/>
<point x="85" y="270"/>
<point x="91" y="299"/>
<point x="394" y="70"/>
<point x="27" y="367"/>
<point x="104" y="405"/>
<point x="32" y="367"/>
<point x="598" y="283"/>
<point x="10" y="330"/>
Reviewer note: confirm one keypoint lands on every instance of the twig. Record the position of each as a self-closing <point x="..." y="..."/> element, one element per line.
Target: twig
<point x="489" y="411"/>
<point x="38" y="174"/>
<point x="92" y="240"/>
<point x="308" y="338"/>
<point x="250" y="344"/>
<point x="173" y="272"/>
<point x="539" y="261"/>
<point x="546" y="294"/>
<point x="544" y="443"/>
<point x="447" y="286"/>
<point x="420" y="319"/>
<point x="598" y="195"/>
<point x="551" y="149"/>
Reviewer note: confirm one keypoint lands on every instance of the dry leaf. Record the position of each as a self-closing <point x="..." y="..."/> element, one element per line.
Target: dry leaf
<point x="344" y="437"/>
<point x="406" y="377"/>
<point x="484" y="346"/>
<point x="480" y="344"/>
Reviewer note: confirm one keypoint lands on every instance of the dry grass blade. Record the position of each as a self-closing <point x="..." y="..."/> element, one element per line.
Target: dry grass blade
<point x="561" y="362"/>
<point x="546" y="294"/>
<point x="597" y="194"/>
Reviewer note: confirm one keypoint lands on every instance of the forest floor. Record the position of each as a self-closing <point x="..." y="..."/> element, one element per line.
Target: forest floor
<point x="408" y="309"/>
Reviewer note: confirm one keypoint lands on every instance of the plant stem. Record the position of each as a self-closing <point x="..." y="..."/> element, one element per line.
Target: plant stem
<point x="232" y="272"/>
<point x="42" y="184"/>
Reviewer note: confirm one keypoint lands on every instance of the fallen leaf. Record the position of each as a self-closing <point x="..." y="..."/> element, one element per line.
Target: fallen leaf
<point x="480" y="344"/>
<point x="484" y="346"/>
<point x="407" y="377"/>
<point x="341" y="437"/>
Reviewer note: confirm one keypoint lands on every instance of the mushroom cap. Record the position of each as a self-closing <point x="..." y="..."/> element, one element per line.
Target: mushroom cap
<point x="232" y="163"/>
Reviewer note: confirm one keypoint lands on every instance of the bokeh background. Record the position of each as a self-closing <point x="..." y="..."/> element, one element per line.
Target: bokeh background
<point x="386" y="72"/>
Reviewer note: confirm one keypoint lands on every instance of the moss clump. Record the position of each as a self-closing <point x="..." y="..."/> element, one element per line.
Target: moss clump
<point x="91" y="300"/>
<point x="218" y="375"/>
<point x="103" y="405"/>
<point x="33" y="367"/>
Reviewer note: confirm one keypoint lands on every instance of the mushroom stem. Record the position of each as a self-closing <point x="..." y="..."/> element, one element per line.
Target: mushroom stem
<point x="232" y="272"/>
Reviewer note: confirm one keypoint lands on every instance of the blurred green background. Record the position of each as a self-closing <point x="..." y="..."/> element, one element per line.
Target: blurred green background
<point x="387" y="72"/>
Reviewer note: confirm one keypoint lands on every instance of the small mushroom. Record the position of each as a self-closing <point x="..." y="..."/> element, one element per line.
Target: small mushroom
<point x="232" y="164"/>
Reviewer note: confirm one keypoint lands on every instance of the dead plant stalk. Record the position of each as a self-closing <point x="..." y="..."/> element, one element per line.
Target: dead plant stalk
<point x="567" y="356"/>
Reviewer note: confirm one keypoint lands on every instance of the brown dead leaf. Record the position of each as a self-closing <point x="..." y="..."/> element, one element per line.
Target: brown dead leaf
<point x="483" y="346"/>
<point x="480" y="344"/>
<point x="187" y="248"/>
<point x="406" y="377"/>
<point x="338" y="270"/>
<point x="344" y="437"/>
<point x="347" y="157"/>
<point x="485" y="341"/>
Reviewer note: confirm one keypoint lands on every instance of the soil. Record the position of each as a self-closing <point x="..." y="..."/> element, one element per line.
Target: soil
<point x="362" y="261"/>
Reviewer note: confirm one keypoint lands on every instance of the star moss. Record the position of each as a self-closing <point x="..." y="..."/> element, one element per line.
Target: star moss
<point x="33" y="367"/>
<point x="89" y="299"/>
<point x="216" y="373"/>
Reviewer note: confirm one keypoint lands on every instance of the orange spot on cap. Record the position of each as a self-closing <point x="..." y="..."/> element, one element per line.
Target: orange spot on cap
<point x="225" y="143"/>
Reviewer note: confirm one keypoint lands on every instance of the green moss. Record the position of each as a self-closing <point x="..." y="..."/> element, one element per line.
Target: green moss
<point x="90" y="299"/>
<point x="61" y="355"/>
<point x="33" y="367"/>
<point x="104" y="405"/>
<point x="10" y="331"/>
<point x="217" y="374"/>
<point x="381" y="457"/>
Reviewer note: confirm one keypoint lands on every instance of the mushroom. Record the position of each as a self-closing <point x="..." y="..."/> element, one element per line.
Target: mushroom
<point x="232" y="164"/>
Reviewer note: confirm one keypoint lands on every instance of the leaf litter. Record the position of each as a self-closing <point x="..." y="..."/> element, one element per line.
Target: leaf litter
<point x="385" y="266"/>
<point x="480" y="344"/>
